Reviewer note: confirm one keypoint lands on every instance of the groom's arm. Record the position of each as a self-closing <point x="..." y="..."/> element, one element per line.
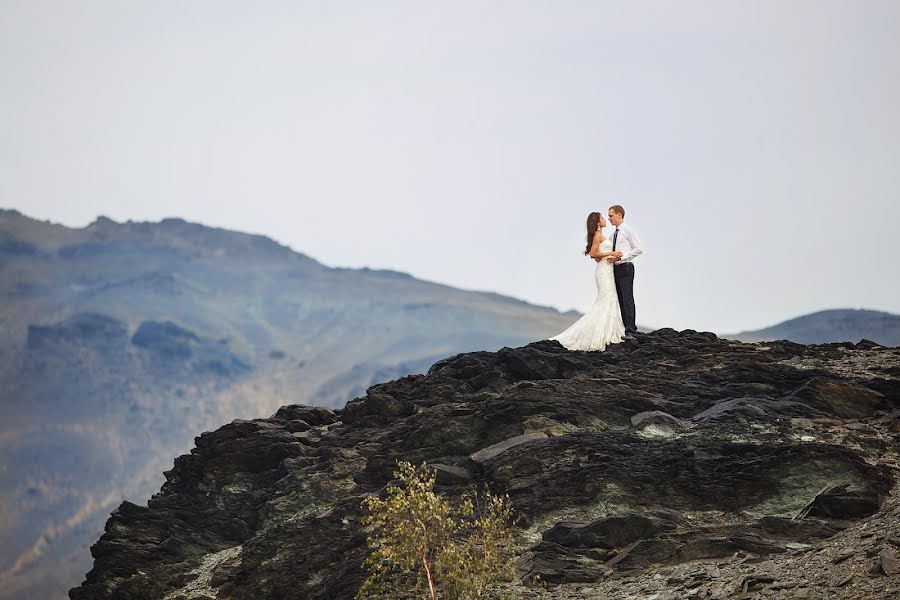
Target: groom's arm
<point x="636" y="247"/>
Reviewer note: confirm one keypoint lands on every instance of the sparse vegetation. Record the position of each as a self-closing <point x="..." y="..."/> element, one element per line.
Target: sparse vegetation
<point x="424" y="547"/>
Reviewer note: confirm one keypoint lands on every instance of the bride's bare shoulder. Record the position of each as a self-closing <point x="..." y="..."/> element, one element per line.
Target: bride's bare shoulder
<point x="598" y="236"/>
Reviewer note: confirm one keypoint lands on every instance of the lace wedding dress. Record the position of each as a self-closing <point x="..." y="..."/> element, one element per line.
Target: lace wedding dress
<point x="602" y="324"/>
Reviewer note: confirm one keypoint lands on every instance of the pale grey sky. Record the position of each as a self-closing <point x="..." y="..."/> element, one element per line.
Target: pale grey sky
<point x="755" y="145"/>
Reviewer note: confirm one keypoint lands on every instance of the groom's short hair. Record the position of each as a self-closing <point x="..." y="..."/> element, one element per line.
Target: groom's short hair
<point x="618" y="210"/>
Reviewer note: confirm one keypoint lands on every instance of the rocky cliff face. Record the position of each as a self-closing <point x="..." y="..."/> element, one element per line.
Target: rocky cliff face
<point x="678" y="464"/>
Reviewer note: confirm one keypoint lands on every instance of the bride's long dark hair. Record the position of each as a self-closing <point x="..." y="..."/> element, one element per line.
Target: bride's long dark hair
<point x="593" y="221"/>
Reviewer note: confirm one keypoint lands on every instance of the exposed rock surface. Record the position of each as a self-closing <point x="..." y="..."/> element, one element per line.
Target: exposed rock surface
<point x="677" y="465"/>
<point x="119" y="342"/>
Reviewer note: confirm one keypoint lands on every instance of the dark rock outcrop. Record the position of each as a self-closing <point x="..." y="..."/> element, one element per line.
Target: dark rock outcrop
<point x="617" y="531"/>
<point x="167" y="342"/>
<point x="666" y="451"/>
<point x="165" y="338"/>
<point x="84" y="329"/>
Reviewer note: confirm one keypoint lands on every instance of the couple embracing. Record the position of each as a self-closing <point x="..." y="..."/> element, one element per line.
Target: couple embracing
<point x="611" y="317"/>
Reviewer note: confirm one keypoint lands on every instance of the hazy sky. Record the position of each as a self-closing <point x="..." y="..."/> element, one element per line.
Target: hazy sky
<point x="755" y="145"/>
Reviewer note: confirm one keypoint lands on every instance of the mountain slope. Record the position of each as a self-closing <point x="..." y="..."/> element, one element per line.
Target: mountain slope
<point x="676" y="464"/>
<point x="119" y="341"/>
<point x="842" y="325"/>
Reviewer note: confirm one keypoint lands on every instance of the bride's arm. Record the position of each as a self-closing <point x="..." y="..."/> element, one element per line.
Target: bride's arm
<point x="598" y="238"/>
<point x="595" y="254"/>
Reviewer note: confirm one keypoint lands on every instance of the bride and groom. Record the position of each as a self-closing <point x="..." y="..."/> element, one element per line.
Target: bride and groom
<point x="611" y="317"/>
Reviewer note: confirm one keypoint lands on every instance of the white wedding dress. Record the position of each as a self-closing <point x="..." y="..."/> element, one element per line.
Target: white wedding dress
<point x="602" y="324"/>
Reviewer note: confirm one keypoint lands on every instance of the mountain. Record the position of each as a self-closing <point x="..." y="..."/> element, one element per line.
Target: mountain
<point x="675" y="465"/>
<point x="120" y="341"/>
<point x="842" y="325"/>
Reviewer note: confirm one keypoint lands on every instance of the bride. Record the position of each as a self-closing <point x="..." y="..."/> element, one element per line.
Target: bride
<point x="602" y="324"/>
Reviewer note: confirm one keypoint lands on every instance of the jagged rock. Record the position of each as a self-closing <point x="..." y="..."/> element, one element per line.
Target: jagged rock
<point x="784" y="585"/>
<point x="839" y="398"/>
<point x="754" y="409"/>
<point x="643" y="553"/>
<point x="269" y="512"/>
<point x="755" y="582"/>
<point x="887" y="562"/>
<point x="807" y="529"/>
<point x="842" y="580"/>
<point x="616" y="531"/>
<point x="297" y="425"/>
<point x="450" y="475"/>
<point x="375" y="409"/>
<point x="553" y="563"/>
<point x="495" y="450"/>
<point x="312" y="415"/>
<point x="657" y="423"/>
<point x="837" y="502"/>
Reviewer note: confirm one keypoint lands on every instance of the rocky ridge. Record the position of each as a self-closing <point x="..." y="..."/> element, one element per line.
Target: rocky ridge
<point x="676" y="465"/>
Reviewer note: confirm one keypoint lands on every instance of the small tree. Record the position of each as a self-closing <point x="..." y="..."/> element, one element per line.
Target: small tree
<point x="424" y="547"/>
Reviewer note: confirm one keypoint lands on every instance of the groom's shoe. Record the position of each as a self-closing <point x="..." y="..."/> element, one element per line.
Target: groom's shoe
<point x="630" y="336"/>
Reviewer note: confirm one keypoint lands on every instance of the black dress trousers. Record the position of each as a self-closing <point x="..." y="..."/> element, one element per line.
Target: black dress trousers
<point x="624" y="274"/>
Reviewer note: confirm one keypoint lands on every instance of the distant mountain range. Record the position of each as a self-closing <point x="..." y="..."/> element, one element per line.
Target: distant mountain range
<point x="841" y="325"/>
<point x="120" y="342"/>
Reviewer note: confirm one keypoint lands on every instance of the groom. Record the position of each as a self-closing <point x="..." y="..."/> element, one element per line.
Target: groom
<point x="626" y="241"/>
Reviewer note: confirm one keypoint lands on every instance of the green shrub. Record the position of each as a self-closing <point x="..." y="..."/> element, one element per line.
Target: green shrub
<point x="423" y="547"/>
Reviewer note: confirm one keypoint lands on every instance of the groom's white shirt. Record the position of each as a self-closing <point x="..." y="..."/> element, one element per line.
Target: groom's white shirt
<point x="627" y="243"/>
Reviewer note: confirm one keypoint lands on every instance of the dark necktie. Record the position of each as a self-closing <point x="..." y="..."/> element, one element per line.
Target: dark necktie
<point x="615" y="235"/>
